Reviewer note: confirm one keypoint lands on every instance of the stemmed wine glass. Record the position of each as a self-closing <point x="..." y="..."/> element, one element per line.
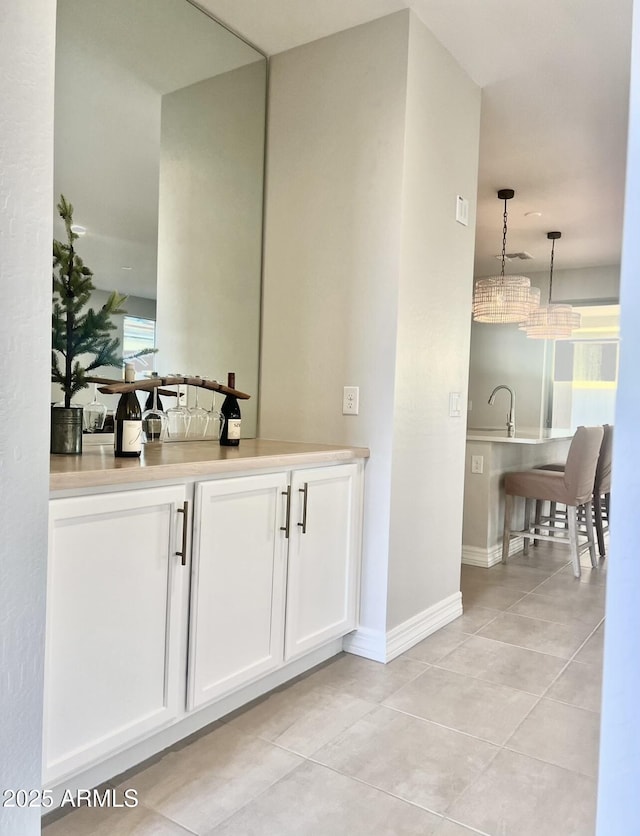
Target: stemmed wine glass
<point x="154" y="421"/>
<point x="94" y="413"/>
<point x="216" y="419"/>
<point x="199" y="418"/>
<point x="178" y="417"/>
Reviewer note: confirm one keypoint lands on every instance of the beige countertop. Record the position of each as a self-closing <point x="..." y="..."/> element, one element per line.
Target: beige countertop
<point x="526" y="435"/>
<point x="98" y="466"/>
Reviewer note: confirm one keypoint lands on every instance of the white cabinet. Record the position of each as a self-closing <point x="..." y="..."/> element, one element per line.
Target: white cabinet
<point x="115" y="623"/>
<point x="324" y="556"/>
<point x="271" y="575"/>
<point x="275" y="573"/>
<point x="237" y="584"/>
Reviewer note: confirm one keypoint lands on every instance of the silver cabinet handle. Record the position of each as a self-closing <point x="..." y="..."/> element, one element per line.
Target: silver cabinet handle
<point x="305" y="492"/>
<point x="184" y="510"/>
<point x="287" y="521"/>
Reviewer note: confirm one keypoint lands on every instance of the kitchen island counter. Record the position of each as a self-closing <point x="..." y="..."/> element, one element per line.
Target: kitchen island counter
<point x="526" y="435"/>
<point x="489" y="455"/>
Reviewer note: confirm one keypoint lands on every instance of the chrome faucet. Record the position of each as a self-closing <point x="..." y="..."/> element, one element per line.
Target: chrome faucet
<point x="511" y="416"/>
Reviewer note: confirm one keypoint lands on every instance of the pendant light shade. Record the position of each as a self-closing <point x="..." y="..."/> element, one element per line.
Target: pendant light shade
<point x="504" y="299"/>
<point x="551" y="322"/>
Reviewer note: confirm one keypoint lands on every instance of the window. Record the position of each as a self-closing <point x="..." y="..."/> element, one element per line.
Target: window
<point x="138" y="334"/>
<point x="585" y="373"/>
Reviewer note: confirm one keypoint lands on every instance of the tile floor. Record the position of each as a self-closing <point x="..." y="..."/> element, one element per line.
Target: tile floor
<point x="489" y="726"/>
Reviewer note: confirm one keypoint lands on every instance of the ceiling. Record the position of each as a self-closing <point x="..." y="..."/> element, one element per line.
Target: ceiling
<point x="554" y="76"/>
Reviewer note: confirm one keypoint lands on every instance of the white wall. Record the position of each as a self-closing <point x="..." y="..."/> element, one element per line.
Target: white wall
<point x="618" y="796"/>
<point x="27" y="32"/>
<point x="365" y="273"/>
<point x="210" y="231"/>
<point x="432" y="355"/>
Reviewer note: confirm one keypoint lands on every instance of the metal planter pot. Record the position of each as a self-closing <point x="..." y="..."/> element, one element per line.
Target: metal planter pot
<point x="66" y="430"/>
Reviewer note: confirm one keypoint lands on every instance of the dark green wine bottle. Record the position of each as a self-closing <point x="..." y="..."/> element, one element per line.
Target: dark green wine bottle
<point x="230" y="435"/>
<point x="127" y="433"/>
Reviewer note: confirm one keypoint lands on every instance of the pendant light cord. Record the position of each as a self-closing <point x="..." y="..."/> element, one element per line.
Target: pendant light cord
<point x="553" y="246"/>
<point x="504" y="237"/>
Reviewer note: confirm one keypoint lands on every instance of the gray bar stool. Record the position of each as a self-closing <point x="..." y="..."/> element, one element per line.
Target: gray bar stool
<point x="572" y="487"/>
<point x="601" y="489"/>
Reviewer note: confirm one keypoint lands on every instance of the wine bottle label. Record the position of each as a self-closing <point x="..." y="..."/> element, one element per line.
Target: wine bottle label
<point x="131" y="436"/>
<point x="233" y="428"/>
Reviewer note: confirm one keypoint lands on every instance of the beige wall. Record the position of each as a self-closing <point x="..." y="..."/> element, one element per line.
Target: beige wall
<point x="502" y="354"/>
<point x="588" y="284"/>
<point x="372" y="133"/>
<point x="210" y="231"/>
<point x="432" y="354"/>
<point x="332" y="253"/>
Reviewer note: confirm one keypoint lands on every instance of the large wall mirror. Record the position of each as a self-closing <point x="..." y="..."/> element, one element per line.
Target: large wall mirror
<point x="159" y="146"/>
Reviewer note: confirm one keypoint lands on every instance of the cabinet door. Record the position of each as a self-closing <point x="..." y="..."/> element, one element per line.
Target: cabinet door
<point x="324" y="556"/>
<point x="237" y="585"/>
<point x="115" y="621"/>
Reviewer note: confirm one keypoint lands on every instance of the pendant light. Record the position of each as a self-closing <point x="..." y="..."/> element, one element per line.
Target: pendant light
<point x="551" y="322"/>
<point x="504" y="299"/>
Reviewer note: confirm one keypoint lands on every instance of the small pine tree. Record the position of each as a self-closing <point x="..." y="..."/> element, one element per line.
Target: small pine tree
<point x="76" y="331"/>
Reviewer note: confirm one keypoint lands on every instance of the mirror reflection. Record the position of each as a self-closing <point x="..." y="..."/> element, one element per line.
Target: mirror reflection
<point x="159" y="145"/>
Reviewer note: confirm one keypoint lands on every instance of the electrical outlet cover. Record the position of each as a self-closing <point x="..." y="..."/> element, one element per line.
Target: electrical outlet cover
<point x="350" y="400"/>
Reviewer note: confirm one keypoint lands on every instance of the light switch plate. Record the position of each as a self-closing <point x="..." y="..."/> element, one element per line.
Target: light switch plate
<point x="462" y="210"/>
<point x="454" y="405"/>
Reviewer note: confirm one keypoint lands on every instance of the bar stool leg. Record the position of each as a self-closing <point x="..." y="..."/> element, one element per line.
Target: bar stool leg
<point x="607" y="508"/>
<point x="588" y="519"/>
<point x="552" y="515"/>
<point x="506" y="536"/>
<point x="572" y="519"/>
<point x="538" y="519"/>
<point x="528" y="506"/>
<point x="597" y="515"/>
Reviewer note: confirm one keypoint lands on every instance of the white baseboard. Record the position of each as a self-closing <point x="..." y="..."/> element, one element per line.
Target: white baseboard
<point x="415" y="629"/>
<point x="475" y="556"/>
<point x="381" y="647"/>
<point x="372" y="644"/>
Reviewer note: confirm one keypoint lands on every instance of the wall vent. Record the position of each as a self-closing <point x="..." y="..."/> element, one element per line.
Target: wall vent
<point x="523" y="256"/>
